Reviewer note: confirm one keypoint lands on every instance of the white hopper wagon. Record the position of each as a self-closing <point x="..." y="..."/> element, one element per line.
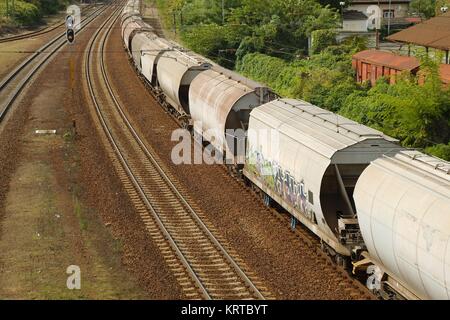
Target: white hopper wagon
<point x="403" y="205"/>
<point x="308" y="160"/>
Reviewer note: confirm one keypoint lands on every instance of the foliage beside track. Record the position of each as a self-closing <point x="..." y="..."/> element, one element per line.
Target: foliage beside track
<point x="29" y="12"/>
<point x="417" y="114"/>
<point x="325" y="79"/>
<point x="276" y="27"/>
<point x="266" y="40"/>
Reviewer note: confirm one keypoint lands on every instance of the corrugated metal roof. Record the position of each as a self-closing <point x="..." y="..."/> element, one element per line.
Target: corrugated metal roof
<point x="236" y="77"/>
<point x="433" y="33"/>
<point x="433" y="166"/>
<point x="388" y="59"/>
<point x="431" y="172"/>
<point x="186" y="57"/>
<point x="321" y="130"/>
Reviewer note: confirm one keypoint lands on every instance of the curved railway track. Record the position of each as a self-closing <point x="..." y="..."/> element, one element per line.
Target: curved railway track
<point x="312" y="244"/>
<point x="354" y="287"/>
<point x="39" y="32"/>
<point x="202" y="262"/>
<point x="13" y="84"/>
<point x="31" y="34"/>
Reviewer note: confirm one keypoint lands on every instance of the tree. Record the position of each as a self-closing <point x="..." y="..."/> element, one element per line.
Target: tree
<point x="440" y="150"/>
<point x="417" y="114"/>
<point x="424" y="7"/>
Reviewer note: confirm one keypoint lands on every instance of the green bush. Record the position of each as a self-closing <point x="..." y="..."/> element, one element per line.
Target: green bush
<point x="26" y="13"/>
<point x="416" y="114"/>
<point x="52" y="6"/>
<point x="440" y="150"/>
<point x="322" y="39"/>
<point x="206" y="40"/>
<point x="326" y="79"/>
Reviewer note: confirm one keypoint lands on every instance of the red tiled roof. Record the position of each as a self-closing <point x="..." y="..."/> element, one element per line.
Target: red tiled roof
<point x="388" y="59"/>
<point x="413" y="19"/>
<point x="433" y="33"/>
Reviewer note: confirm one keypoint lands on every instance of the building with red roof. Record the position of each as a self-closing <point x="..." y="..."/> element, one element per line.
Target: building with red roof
<point x="370" y="65"/>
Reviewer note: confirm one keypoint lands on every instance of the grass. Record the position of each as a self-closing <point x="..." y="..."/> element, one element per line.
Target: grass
<point x="47" y="227"/>
<point x="78" y="210"/>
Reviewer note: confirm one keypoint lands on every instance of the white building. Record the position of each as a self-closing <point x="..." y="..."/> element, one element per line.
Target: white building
<point x="388" y="9"/>
<point x="354" y="21"/>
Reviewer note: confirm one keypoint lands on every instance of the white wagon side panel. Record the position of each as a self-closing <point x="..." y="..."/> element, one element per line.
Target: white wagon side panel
<point x="175" y="71"/>
<point x="403" y="207"/>
<point x="221" y="100"/>
<point x="305" y="151"/>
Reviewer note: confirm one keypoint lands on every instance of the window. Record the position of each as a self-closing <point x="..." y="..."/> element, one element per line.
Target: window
<point x="310" y="197"/>
<point x="388" y="14"/>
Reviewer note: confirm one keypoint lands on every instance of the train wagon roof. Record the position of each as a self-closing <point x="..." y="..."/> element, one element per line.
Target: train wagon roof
<point x="185" y="56"/>
<point x="323" y="131"/>
<point x="217" y="95"/>
<point x="424" y="168"/>
<point x="240" y="79"/>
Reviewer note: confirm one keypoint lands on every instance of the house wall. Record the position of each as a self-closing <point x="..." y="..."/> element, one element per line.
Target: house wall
<point x="400" y="10"/>
<point x="355" y="25"/>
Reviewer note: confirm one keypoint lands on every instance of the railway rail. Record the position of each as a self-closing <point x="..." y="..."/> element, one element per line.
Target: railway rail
<point x="202" y="262"/>
<point x="312" y="244"/>
<point x="39" y="32"/>
<point x="32" y="34"/>
<point x="13" y="84"/>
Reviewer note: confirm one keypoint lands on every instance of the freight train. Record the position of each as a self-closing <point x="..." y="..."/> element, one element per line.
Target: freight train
<point x="371" y="202"/>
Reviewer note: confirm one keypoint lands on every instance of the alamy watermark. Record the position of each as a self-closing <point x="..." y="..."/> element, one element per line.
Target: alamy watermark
<point x="74" y="279"/>
<point x="214" y="146"/>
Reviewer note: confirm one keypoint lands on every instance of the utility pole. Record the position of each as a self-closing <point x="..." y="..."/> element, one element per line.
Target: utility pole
<point x="174" y="22"/>
<point x="342" y="4"/>
<point x="389" y="18"/>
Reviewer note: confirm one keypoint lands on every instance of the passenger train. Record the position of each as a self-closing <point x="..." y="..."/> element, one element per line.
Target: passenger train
<point x="384" y="208"/>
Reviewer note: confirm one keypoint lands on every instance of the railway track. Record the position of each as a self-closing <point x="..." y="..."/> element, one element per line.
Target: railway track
<point x="32" y="33"/>
<point x="13" y="84"/>
<point x="204" y="265"/>
<point x="39" y="32"/>
<point x="312" y="244"/>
